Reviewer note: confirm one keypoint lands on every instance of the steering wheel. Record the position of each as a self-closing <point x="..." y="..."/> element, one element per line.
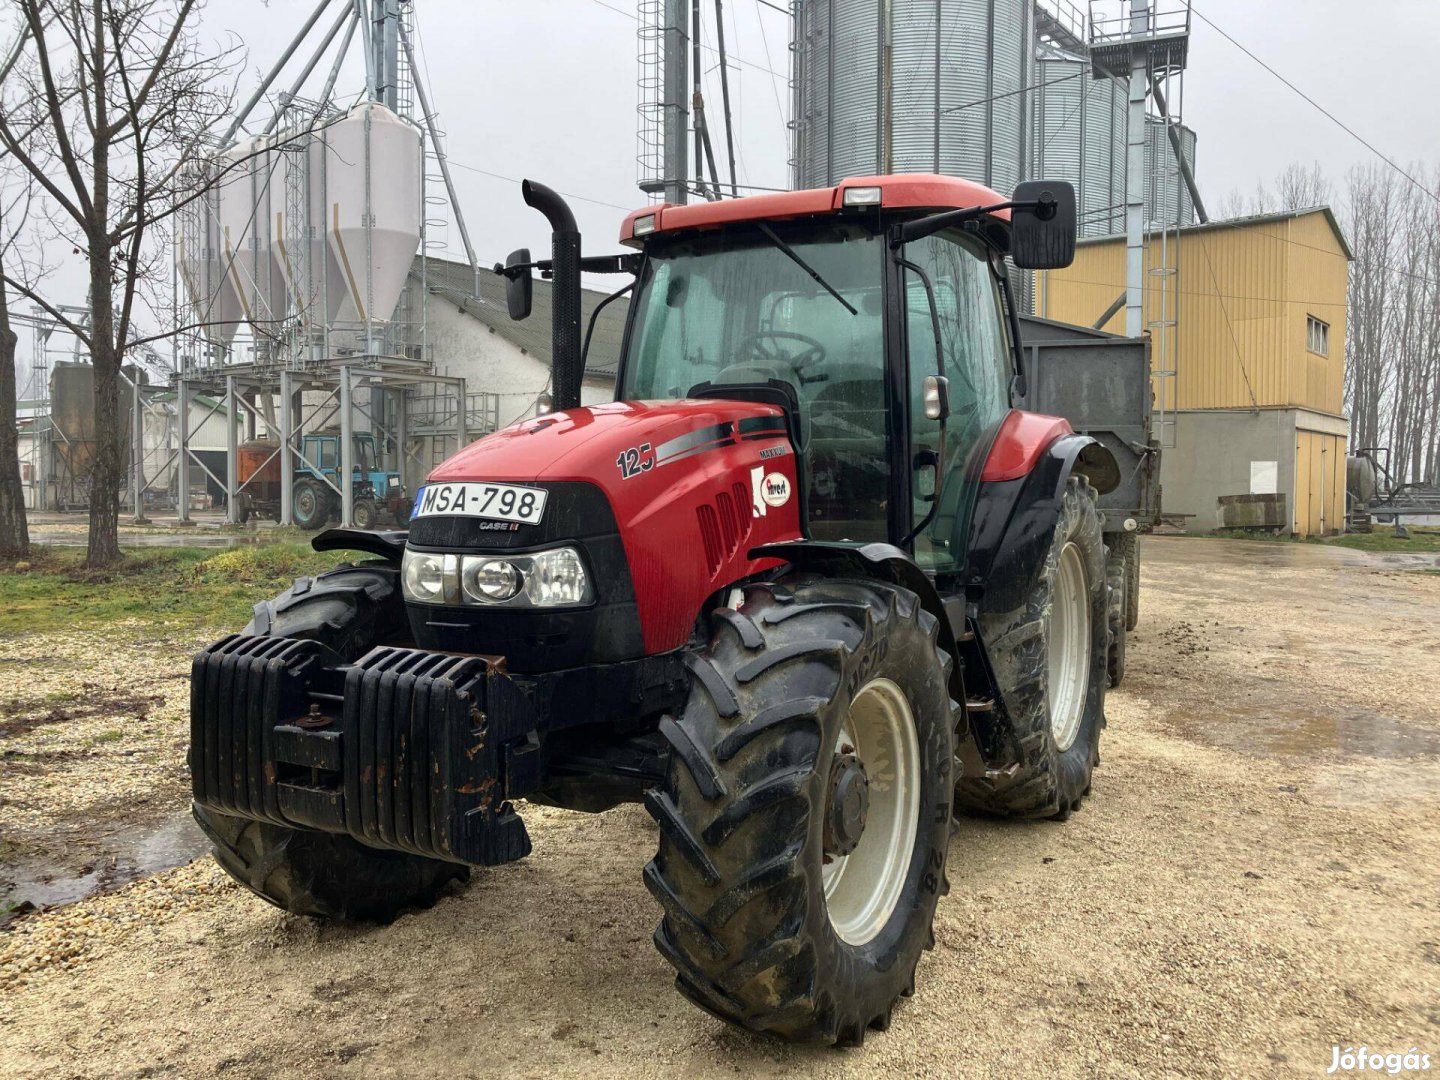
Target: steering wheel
<point x="767" y="347"/>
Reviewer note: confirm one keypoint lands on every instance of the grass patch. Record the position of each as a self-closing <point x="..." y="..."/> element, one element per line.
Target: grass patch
<point x="183" y="587"/>
<point x="1423" y="540"/>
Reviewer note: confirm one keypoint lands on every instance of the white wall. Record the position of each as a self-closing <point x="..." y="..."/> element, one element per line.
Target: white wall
<point x="463" y="346"/>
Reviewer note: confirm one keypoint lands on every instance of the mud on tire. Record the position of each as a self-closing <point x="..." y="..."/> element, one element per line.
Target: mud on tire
<point x="739" y="872"/>
<point x="1050" y="781"/>
<point x="350" y="610"/>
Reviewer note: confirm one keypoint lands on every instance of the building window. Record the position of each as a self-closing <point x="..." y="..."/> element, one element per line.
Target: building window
<point x="1317" y="335"/>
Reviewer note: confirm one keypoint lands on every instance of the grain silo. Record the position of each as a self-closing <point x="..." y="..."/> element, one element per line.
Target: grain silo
<point x="1079" y="136"/>
<point x="1163" y="183"/>
<point x="913" y="86"/>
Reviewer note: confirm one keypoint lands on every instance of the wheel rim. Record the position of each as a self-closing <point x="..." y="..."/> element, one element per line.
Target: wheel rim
<point x="863" y="887"/>
<point x="1068" y="663"/>
<point x="305" y="503"/>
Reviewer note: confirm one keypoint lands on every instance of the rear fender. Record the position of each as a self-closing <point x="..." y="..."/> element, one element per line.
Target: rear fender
<point x="1015" y="518"/>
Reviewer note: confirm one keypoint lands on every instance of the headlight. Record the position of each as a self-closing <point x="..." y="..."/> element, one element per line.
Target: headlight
<point x="556" y="578"/>
<point x="422" y="576"/>
<point x="490" y="580"/>
<point x="542" y="579"/>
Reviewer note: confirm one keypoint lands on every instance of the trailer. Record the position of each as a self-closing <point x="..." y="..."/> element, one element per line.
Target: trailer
<point x="1101" y="383"/>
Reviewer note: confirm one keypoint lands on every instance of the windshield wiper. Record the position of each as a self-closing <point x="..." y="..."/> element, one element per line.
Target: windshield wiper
<point x="794" y="257"/>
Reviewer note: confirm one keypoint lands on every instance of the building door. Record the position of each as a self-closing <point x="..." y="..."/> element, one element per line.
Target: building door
<point x="1319" y="507"/>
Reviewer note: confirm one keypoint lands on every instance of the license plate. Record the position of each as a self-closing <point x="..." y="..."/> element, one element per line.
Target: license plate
<point x="498" y="502"/>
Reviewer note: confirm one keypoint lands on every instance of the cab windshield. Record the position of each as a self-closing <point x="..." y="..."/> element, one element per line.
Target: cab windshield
<point x="734" y="307"/>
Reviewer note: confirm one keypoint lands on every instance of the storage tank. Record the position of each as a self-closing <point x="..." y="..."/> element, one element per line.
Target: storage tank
<point x="314" y="282"/>
<point x="947" y="96"/>
<point x="246" y="220"/>
<point x="372" y="211"/>
<point x="1079" y="135"/>
<point x="213" y="303"/>
<point x="1163" y="182"/>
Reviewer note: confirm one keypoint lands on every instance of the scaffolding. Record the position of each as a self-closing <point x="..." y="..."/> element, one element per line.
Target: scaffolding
<point x="295" y="369"/>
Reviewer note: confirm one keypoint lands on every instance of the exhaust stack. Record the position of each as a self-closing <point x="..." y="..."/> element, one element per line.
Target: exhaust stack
<point x="565" y="292"/>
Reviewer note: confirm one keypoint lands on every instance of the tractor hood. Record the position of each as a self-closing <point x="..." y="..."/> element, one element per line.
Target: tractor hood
<point x="664" y="499"/>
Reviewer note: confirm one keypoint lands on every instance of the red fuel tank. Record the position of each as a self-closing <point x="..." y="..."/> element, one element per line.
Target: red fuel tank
<point x="694" y="486"/>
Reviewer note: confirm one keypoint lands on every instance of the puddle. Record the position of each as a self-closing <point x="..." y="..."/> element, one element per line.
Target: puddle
<point x="1199" y="551"/>
<point x="148" y="540"/>
<point x="126" y="856"/>
<point x="1291" y="732"/>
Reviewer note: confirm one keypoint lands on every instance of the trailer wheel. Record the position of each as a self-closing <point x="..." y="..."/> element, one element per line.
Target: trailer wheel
<point x="328" y="875"/>
<point x="1132" y="583"/>
<point x="804" y="823"/>
<point x="309" y="506"/>
<point x="1049" y="656"/>
<point x="1117" y="589"/>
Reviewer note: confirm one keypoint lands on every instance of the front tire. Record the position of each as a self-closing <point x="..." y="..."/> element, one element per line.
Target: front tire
<point x="309" y="507"/>
<point x="804" y="822"/>
<point x="1049" y="656"/>
<point x="327" y="875"/>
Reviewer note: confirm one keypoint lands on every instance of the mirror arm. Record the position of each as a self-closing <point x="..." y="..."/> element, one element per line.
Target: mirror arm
<point x="920" y="228"/>
<point x="594" y="315"/>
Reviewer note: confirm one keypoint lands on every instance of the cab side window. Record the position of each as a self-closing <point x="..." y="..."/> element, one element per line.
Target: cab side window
<point x="978" y="367"/>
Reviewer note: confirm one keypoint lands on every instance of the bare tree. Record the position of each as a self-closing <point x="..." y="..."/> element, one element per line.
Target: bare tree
<point x="14" y="530"/>
<point x="1300" y="188"/>
<point x="107" y="114"/>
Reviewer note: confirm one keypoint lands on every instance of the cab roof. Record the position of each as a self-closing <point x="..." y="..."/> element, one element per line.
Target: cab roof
<point x="923" y="191"/>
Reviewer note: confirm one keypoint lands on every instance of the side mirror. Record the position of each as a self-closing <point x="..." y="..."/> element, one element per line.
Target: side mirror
<point x="519" y="286"/>
<point x="1042" y="237"/>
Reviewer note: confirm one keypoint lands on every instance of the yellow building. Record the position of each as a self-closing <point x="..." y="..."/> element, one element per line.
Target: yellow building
<point x="1249" y="315"/>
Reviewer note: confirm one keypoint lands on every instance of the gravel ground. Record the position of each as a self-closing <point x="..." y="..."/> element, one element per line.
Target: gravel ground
<point x="1255" y="881"/>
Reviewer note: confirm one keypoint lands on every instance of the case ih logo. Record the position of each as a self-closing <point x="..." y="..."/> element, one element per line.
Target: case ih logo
<point x="767" y="490"/>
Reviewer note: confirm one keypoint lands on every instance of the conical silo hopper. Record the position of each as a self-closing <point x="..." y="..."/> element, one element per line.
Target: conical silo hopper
<point x="373" y="216"/>
<point x="213" y="308"/>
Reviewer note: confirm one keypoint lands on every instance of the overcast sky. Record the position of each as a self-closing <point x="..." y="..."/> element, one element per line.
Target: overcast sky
<point x="547" y="89"/>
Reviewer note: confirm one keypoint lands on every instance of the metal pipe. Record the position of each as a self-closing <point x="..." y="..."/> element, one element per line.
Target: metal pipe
<point x="367" y="38"/>
<point x="232" y="453"/>
<point x="137" y="455"/>
<point x="676" y="115"/>
<point x="1110" y="311"/>
<point x="462" y="417"/>
<point x="565" y="292"/>
<point x="274" y="72"/>
<point x="334" y="75"/>
<point x="725" y="95"/>
<point x="309" y="67"/>
<point x="443" y="160"/>
<point x="182" y="466"/>
<point x="287" y="446"/>
<point x="347" y="451"/>
<point x="697" y="101"/>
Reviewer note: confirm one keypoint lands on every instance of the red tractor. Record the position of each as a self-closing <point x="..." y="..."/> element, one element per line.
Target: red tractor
<point x="805" y="588"/>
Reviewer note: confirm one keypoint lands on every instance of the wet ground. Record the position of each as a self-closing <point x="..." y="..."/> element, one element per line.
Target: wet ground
<point x="1256" y="880"/>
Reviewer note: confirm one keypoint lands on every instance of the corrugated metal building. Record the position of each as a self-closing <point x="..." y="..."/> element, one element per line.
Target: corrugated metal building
<point x="1256" y="404"/>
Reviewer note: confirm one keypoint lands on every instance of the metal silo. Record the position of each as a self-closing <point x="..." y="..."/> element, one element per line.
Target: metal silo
<point x="1163" y="183"/>
<point x="1079" y="136"/>
<point x="912" y="86"/>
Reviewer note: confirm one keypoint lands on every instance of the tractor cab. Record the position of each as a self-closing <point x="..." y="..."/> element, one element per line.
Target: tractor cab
<point x="881" y="308"/>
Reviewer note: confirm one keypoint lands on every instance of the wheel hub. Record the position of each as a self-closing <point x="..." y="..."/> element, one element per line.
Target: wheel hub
<point x="848" y="806"/>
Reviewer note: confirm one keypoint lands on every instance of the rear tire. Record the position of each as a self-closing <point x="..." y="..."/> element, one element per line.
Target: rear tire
<point x="748" y="814"/>
<point x="1055" y="736"/>
<point x="328" y="875"/>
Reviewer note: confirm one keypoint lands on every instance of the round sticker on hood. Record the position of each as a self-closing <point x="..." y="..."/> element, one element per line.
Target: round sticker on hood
<point x="775" y="489"/>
